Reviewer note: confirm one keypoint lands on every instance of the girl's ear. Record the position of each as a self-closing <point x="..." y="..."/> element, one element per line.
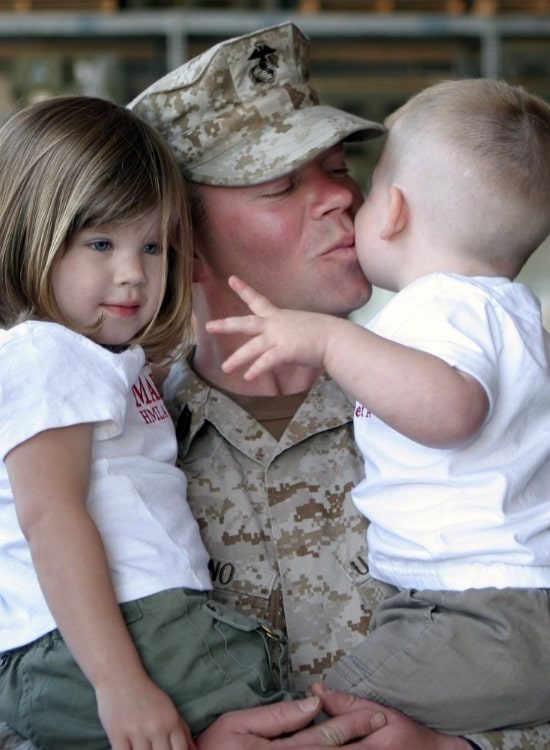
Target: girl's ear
<point x="397" y="215"/>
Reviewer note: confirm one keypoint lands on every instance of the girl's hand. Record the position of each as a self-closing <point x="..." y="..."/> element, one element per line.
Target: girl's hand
<point x="138" y="714"/>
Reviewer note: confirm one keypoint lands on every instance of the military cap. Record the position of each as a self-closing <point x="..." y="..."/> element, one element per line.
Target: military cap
<point x="243" y="112"/>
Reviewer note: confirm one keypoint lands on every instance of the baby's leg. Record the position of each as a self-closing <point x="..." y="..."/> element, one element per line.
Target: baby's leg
<point x="458" y="662"/>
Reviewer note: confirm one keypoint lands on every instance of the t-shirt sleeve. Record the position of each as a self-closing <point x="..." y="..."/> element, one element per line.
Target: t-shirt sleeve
<point x="451" y="320"/>
<point x="51" y="377"/>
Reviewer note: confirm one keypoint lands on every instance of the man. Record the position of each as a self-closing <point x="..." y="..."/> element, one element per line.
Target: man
<point x="293" y="237"/>
<point x="270" y="463"/>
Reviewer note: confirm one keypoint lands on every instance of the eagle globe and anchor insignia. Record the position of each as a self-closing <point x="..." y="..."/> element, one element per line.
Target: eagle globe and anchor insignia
<point x="265" y="69"/>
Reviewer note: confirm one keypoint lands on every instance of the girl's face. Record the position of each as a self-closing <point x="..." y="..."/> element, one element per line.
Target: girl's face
<point x="113" y="273"/>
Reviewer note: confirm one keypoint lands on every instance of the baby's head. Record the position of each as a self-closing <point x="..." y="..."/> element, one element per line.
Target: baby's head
<point x="70" y="163"/>
<point x="473" y="158"/>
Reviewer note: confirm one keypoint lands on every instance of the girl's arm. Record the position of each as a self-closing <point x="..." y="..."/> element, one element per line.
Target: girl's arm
<point x="49" y="475"/>
<point x="415" y="393"/>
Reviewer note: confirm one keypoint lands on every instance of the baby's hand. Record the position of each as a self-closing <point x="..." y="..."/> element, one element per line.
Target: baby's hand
<point x="139" y="715"/>
<point x="278" y="336"/>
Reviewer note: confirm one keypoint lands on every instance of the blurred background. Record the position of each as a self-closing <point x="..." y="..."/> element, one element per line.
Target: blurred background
<point x="368" y="56"/>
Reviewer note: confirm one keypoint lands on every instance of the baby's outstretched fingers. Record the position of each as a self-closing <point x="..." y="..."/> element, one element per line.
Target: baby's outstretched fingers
<point x="257" y="303"/>
<point x="248" y="325"/>
<point x="251" y="352"/>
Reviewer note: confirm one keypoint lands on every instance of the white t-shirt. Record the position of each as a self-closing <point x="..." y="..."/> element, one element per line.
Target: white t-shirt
<point x="53" y="377"/>
<point x="478" y="515"/>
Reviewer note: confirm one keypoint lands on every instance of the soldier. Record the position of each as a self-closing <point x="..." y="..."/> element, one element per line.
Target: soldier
<point x="270" y="463"/>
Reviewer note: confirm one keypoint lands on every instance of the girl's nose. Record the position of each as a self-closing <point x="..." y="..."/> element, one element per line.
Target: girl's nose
<point x="130" y="269"/>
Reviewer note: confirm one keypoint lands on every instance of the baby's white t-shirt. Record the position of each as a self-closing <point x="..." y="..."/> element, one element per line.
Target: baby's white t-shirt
<point x="477" y="515"/>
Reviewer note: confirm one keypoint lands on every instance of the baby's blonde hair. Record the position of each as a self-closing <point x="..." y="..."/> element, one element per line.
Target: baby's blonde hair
<point x="68" y="163"/>
<point x="484" y="146"/>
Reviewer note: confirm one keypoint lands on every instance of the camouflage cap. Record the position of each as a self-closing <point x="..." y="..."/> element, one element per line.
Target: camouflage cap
<point x="242" y="112"/>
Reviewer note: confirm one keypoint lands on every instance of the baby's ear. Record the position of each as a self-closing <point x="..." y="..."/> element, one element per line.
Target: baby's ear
<point x="397" y="214"/>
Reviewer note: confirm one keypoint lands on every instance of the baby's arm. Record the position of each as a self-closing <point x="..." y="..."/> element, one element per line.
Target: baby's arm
<point x="416" y="393"/>
<point x="49" y="474"/>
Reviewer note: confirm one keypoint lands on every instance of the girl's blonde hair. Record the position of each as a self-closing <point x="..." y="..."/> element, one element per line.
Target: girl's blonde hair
<point x="72" y="162"/>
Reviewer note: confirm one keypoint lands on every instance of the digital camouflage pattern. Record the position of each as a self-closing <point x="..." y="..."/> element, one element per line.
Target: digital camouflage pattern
<point x="243" y="112"/>
<point x="285" y="539"/>
<point x="277" y="517"/>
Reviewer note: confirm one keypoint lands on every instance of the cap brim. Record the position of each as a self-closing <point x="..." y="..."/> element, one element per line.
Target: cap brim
<point x="282" y="147"/>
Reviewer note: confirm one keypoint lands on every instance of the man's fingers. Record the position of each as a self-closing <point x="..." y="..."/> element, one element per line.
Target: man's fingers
<point x="337" y="704"/>
<point x="285" y="717"/>
<point x="335" y="732"/>
<point x="269" y="721"/>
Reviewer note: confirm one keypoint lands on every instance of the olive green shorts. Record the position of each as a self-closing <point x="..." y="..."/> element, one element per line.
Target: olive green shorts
<point x="457" y="661"/>
<point x="207" y="658"/>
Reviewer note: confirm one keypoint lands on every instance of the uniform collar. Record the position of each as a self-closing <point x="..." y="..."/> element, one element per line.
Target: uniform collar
<point x="192" y="403"/>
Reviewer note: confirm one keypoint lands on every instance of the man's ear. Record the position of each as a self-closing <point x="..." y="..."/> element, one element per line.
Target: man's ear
<point x="198" y="271"/>
<point x="397" y="214"/>
<point x="199" y="264"/>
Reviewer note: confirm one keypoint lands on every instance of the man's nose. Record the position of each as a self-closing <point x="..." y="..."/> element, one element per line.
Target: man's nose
<point x="332" y="194"/>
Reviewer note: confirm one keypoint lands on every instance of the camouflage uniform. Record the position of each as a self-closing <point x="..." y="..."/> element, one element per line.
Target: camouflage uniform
<point x="285" y="539"/>
<point x="277" y="517"/>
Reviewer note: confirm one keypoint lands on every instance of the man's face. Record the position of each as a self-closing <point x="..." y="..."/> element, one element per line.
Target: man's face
<point x="291" y="238"/>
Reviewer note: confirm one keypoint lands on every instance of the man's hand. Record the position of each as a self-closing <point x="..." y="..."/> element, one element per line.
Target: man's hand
<point x="397" y="732"/>
<point x="267" y="727"/>
<point x="355" y="723"/>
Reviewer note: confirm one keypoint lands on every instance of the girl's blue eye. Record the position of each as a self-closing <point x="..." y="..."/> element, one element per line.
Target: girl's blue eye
<point x="152" y="248"/>
<point x="100" y="246"/>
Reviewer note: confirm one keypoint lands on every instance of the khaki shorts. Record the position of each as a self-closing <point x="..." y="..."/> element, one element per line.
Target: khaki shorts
<point x="208" y="659"/>
<point x="459" y="662"/>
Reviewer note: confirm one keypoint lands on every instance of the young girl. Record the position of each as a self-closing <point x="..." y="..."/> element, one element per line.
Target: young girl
<point x="95" y="268"/>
